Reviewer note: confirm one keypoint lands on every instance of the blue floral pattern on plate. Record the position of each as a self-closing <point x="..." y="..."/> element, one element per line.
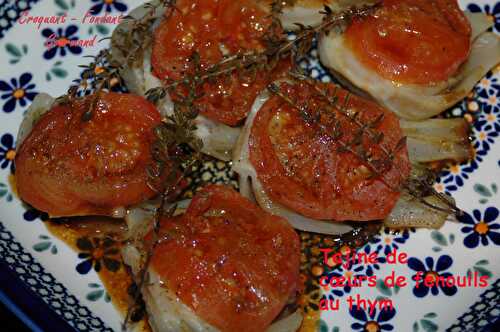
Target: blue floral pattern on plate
<point x="431" y="272"/>
<point x="108" y="6"/>
<point x="490" y="9"/>
<point x="7" y="152"/>
<point x="32" y="214"/>
<point x="371" y="320"/>
<point x="62" y="37"/>
<point x="17" y="91"/>
<point x="483" y="228"/>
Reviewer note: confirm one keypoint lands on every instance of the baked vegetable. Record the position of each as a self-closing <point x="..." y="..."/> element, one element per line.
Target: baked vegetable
<point x="67" y="165"/>
<point x="195" y="36"/>
<point x="306" y="157"/>
<point x="223" y="265"/>
<point x="299" y="157"/>
<point x="309" y="12"/>
<point x="415" y="57"/>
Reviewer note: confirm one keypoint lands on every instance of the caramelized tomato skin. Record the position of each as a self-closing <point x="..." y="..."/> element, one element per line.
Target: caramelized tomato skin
<point x="67" y="166"/>
<point x="305" y="169"/>
<point x="412" y="41"/>
<point x="208" y="27"/>
<point x="225" y="247"/>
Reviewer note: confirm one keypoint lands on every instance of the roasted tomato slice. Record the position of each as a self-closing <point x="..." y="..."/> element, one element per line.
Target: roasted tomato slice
<point x="68" y="166"/>
<point x="309" y="160"/>
<point x="214" y="28"/>
<point x="412" y="41"/>
<point x="232" y="263"/>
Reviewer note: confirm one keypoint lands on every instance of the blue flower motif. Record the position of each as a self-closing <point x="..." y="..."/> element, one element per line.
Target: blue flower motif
<point x="488" y="91"/>
<point x="390" y="240"/>
<point x="493" y="11"/>
<point x="97" y="252"/>
<point x="108" y="5"/>
<point x="454" y="176"/>
<point x="486" y="131"/>
<point x="486" y="136"/>
<point x="433" y="274"/>
<point x="482" y="227"/>
<point x="372" y="322"/>
<point x="7" y="152"/>
<point x="31" y="214"/>
<point x="85" y="266"/>
<point x="369" y="268"/>
<point x="17" y="91"/>
<point x="62" y="40"/>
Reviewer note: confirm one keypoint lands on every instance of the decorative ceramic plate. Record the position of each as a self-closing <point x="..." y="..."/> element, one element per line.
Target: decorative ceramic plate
<point x="77" y="282"/>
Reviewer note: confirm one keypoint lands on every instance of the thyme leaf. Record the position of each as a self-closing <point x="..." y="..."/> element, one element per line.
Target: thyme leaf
<point x="104" y="69"/>
<point x="277" y="47"/>
<point x="416" y="186"/>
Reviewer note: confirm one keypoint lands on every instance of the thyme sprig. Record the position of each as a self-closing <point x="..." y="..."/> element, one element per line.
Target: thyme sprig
<point x="137" y="36"/>
<point x="142" y="278"/>
<point x="333" y="129"/>
<point x="175" y="152"/>
<point x="278" y="47"/>
<point x="353" y="116"/>
<point x="364" y="129"/>
<point x="164" y="210"/>
<point x="416" y="186"/>
<point x="100" y="70"/>
<point x="185" y="92"/>
<point x="104" y="79"/>
<point x="168" y="153"/>
<point x="104" y="69"/>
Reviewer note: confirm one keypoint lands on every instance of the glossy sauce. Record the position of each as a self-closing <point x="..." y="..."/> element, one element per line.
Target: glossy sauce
<point x="412" y="41"/>
<point x="69" y="166"/>
<point x="214" y="28"/>
<point x="235" y="265"/>
<point x="116" y="282"/>
<point x="304" y="168"/>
